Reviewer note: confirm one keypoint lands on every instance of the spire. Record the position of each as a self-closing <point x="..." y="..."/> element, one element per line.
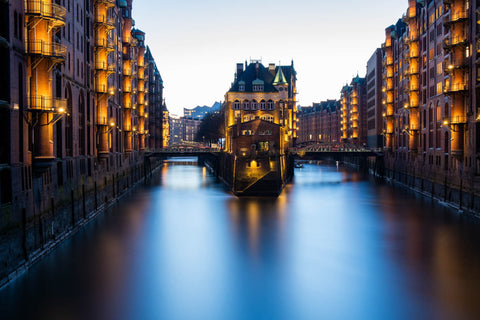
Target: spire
<point x="279" y="77"/>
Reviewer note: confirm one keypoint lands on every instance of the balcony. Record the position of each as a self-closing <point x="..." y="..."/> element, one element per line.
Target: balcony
<point x="103" y="88"/>
<point x="454" y="17"/>
<point x="46" y="104"/>
<point x="456" y="88"/>
<point x="106" y="21"/>
<point x="413" y="71"/>
<point x="105" y="44"/>
<point x="454" y="41"/>
<point x="409" y="39"/>
<point x="107" y="3"/>
<point x="127" y="72"/>
<point x="412" y="88"/>
<point x="51" y="50"/>
<point x="458" y="120"/>
<point x="50" y="11"/>
<point x="105" y="66"/>
<point x="454" y="64"/>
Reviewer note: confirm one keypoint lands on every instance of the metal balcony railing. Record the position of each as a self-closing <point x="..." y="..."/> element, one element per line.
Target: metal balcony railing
<point x="458" y="119"/>
<point x="47" y="49"/>
<point x="455" y="17"/>
<point x="451" y="41"/>
<point x="456" y="87"/>
<point x="45" y="103"/>
<point x="108" y="3"/>
<point x="105" y="43"/>
<point x="105" y="20"/>
<point x="105" y="66"/>
<point x="51" y="11"/>
<point x="103" y="88"/>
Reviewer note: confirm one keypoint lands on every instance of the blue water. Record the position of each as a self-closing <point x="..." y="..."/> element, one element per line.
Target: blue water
<point x="334" y="245"/>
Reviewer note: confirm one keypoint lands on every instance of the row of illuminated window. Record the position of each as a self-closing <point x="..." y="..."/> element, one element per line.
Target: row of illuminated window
<point x="261" y="133"/>
<point x="251" y="117"/>
<point x="254" y="105"/>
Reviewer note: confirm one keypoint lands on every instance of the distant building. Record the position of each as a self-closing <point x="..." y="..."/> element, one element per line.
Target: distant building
<point x="190" y="129"/>
<point x="165" y="126"/>
<point x="198" y="113"/>
<point x="176" y="126"/>
<point x="354" y="108"/>
<point x="319" y="123"/>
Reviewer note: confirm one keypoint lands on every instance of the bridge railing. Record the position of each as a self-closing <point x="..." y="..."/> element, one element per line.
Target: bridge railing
<point x="336" y="148"/>
<point x="188" y="150"/>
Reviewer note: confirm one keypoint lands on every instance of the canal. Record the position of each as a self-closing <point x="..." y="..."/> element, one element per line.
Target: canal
<point x="335" y="245"/>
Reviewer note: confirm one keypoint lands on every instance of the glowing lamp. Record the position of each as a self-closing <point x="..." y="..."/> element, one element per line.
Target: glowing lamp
<point x="61" y="110"/>
<point x="112" y="124"/>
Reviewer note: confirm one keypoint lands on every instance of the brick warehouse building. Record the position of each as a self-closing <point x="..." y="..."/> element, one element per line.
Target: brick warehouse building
<point x="80" y="101"/>
<point x="319" y="123"/>
<point x="431" y="113"/>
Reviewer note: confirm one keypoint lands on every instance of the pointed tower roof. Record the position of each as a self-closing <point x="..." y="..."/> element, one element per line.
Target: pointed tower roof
<point x="279" y="77"/>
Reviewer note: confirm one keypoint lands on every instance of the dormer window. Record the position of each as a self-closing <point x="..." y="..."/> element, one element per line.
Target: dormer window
<point x="257" y="85"/>
<point x="241" y="86"/>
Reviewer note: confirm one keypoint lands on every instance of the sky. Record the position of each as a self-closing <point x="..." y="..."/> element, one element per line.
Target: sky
<point x="197" y="44"/>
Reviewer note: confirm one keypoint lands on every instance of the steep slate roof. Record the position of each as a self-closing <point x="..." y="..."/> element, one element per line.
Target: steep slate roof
<point x="249" y="75"/>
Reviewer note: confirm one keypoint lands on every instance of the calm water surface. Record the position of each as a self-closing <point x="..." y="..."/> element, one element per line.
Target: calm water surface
<point x="334" y="245"/>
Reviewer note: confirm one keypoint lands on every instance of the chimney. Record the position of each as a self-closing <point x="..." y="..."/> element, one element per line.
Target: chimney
<point x="271" y="68"/>
<point x="239" y="69"/>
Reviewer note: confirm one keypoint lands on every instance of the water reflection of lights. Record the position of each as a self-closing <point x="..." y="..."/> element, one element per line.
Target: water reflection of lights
<point x="250" y="217"/>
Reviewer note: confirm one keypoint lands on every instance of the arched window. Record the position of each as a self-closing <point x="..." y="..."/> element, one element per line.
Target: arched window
<point x="271" y="105"/>
<point x="246" y="105"/>
<point x="236" y="105"/>
<point x="263" y="105"/>
<point x="254" y="105"/>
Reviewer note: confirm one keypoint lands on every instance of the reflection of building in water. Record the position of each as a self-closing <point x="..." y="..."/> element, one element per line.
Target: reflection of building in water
<point x="255" y="220"/>
<point x="260" y="121"/>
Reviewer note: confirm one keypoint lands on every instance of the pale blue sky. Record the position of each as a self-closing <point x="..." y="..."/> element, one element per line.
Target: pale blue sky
<point x="196" y="44"/>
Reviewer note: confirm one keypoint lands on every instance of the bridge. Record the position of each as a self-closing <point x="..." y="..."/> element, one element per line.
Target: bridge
<point x="335" y="151"/>
<point x="320" y="150"/>
<point x="183" y="152"/>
